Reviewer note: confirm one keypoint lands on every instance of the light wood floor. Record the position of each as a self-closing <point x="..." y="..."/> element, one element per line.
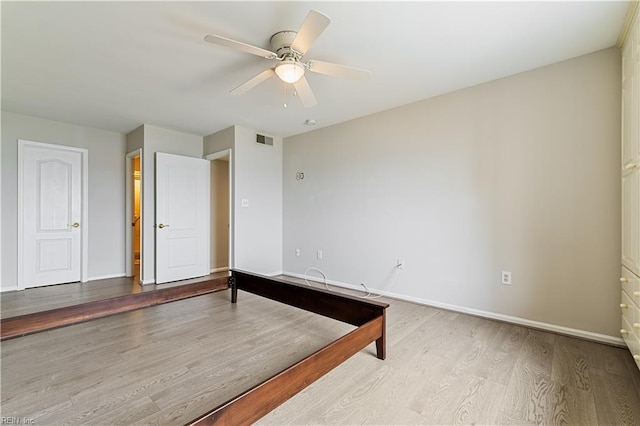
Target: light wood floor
<point x="168" y="364"/>
<point x="37" y="299"/>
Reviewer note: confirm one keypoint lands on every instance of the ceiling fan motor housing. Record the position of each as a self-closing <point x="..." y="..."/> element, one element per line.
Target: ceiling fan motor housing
<point x="281" y="44"/>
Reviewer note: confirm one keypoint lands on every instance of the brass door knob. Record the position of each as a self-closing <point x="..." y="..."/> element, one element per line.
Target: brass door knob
<point x="75" y="225"/>
<point x="162" y="225"/>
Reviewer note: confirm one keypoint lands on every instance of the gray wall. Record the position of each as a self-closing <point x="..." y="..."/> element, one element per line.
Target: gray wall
<point x="106" y="190"/>
<point x="258" y="228"/>
<point x="219" y="141"/>
<point x="257" y="177"/>
<point x="156" y="139"/>
<point x="520" y="174"/>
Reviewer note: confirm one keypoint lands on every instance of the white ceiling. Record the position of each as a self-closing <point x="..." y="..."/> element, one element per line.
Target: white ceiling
<point x="116" y="65"/>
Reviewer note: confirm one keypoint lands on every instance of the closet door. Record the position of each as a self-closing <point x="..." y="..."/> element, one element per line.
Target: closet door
<point x="630" y="278"/>
<point x="630" y="213"/>
<point x="630" y="160"/>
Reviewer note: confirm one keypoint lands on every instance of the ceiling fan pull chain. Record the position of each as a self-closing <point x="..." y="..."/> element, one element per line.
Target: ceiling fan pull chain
<point x="285" y="95"/>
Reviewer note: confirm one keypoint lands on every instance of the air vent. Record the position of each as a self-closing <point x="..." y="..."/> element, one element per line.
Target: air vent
<point x="264" y="140"/>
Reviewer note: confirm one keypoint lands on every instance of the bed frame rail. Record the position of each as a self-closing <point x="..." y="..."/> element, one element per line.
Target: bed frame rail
<point x="369" y="317"/>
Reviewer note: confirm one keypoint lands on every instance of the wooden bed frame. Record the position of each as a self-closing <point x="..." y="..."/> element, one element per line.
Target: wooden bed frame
<point x="36" y="322"/>
<point x="367" y="315"/>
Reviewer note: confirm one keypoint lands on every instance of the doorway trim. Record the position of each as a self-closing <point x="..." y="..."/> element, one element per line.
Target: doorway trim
<point x="215" y="156"/>
<point x="128" y="252"/>
<point x="84" y="229"/>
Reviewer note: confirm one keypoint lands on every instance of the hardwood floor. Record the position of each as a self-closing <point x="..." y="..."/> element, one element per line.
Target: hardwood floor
<point x="36" y="322"/>
<point x="37" y="299"/>
<point x="168" y="364"/>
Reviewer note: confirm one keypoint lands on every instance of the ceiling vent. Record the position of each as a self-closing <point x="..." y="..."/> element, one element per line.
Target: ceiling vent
<point x="264" y="140"/>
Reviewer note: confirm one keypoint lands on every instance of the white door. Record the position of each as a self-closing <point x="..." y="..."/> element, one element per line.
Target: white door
<point x="630" y="218"/>
<point x="182" y="217"/>
<point x="51" y="215"/>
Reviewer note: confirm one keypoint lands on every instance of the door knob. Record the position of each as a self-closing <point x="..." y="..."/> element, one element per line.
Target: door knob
<point x="75" y="225"/>
<point x="163" y="226"/>
<point x="624" y="280"/>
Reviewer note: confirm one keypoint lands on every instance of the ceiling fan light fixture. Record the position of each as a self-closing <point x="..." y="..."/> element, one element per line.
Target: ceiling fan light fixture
<point x="290" y="71"/>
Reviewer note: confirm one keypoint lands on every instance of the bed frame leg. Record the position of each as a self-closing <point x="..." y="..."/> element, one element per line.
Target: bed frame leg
<point x="381" y="343"/>
<point x="234" y="289"/>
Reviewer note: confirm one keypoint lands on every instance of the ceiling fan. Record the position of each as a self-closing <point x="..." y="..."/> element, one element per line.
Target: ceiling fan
<point x="289" y="48"/>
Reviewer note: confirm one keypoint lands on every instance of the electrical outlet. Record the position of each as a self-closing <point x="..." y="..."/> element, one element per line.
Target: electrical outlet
<point x="297" y="252"/>
<point x="319" y="254"/>
<point x="400" y="264"/>
<point x="506" y="277"/>
<point x="244" y="202"/>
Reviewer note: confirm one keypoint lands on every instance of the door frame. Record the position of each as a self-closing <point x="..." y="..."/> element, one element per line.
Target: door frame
<point x="84" y="185"/>
<point x="128" y="252"/>
<point x="215" y="156"/>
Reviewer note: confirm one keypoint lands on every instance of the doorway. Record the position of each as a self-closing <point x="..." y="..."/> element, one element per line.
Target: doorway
<point x="134" y="194"/>
<point x="221" y="210"/>
<point x="136" y="222"/>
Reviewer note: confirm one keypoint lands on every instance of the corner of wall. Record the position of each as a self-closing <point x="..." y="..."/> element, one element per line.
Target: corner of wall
<point x="258" y="224"/>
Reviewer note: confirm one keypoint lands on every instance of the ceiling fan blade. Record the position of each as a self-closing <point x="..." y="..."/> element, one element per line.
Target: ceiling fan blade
<point x="338" y="70"/>
<point x="313" y="25"/>
<point x="238" y="45"/>
<point x="305" y="93"/>
<point x="250" y="84"/>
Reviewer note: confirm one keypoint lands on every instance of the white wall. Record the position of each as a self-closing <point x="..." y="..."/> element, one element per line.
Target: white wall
<point x="1" y="203"/>
<point x="519" y="174"/>
<point x="156" y="139"/>
<point x="258" y="228"/>
<point x="257" y="177"/>
<point x="258" y="173"/>
<point x="219" y="141"/>
<point x="106" y="190"/>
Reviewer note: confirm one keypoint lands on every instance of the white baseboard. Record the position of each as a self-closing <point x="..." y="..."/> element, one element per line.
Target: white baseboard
<point x="266" y="274"/>
<point x="330" y="282"/>
<point x="106" y="277"/>
<point x="145" y="282"/>
<point x="224" y="268"/>
<point x="588" y="335"/>
<point x="96" y="278"/>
